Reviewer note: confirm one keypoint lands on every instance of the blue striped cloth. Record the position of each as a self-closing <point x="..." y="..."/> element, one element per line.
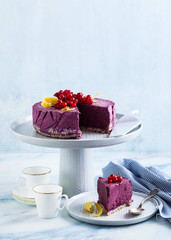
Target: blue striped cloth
<point x="143" y="180"/>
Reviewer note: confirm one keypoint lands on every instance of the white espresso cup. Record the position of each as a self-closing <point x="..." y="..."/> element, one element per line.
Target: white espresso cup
<point x="48" y="198"/>
<point x="34" y="176"/>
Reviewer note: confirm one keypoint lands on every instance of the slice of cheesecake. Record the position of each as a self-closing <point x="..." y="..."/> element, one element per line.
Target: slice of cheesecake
<point x="114" y="195"/>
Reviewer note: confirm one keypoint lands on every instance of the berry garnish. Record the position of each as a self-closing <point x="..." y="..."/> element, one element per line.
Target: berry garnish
<point x="70" y="103"/>
<point x="60" y="92"/>
<point x="66" y="91"/>
<point x="61" y="96"/>
<point x="63" y="104"/>
<point x="89" y="101"/>
<point x="68" y="96"/>
<point x="74" y="105"/>
<point x="109" y="181"/>
<point x="114" y="178"/>
<point x="70" y="99"/>
<point x="119" y="179"/>
<point x="79" y="96"/>
<point x="56" y="94"/>
<point x="59" y="101"/>
<point x="57" y="106"/>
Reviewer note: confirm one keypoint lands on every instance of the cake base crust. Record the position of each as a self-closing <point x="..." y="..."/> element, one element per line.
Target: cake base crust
<point x="116" y="209"/>
<point x="98" y="130"/>
<point x="55" y="134"/>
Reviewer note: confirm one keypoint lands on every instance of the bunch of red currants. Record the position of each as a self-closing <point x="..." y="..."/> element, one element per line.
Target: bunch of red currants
<point x="114" y="178"/>
<point x="68" y="98"/>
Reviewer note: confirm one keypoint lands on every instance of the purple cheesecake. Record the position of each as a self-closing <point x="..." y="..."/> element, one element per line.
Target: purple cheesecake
<point x="98" y="116"/>
<point x="114" y="196"/>
<point x="57" y="123"/>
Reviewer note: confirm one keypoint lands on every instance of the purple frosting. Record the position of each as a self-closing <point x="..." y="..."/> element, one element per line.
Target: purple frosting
<point x="113" y="195"/>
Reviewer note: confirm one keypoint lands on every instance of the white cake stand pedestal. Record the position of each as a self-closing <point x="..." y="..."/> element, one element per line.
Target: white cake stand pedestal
<point x="76" y="167"/>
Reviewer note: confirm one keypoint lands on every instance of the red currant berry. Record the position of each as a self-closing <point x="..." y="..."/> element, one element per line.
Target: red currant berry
<point x="115" y="179"/>
<point x="74" y="105"/>
<point x="63" y="104"/>
<point x="59" y="101"/>
<point x="119" y="179"/>
<point x="57" y="106"/>
<point x="109" y="181"/>
<point x="110" y="178"/>
<point x="70" y="103"/>
<point x="76" y="101"/>
<point x="68" y="96"/>
<point x="67" y="91"/>
<point x="56" y="94"/>
<point x="61" y="96"/>
<point x="79" y="96"/>
<point x="83" y="100"/>
<point x="64" y="99"/>
<point x="60" y="92"/>
<point x="71" y="99"/>
<point x="112" y="175"/>
<point x="89" y="101"/>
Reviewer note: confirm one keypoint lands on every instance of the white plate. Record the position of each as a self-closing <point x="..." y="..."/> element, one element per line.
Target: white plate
<point x="121" y="217"/>
<point x="21" y="194"/>
<point x="24" y="131"/>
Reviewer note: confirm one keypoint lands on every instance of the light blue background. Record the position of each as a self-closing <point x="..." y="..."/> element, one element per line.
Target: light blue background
<point x="120" y="49"/>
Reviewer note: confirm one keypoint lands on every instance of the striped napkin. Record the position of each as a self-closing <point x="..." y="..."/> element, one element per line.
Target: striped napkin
<point x="144" y="179"/>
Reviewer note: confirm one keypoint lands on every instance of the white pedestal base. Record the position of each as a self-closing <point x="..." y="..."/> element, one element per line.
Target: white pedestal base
<point x="76" y="171"/>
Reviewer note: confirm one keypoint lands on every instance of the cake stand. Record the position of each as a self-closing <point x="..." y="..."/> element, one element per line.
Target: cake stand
<point x="76" y="167"/>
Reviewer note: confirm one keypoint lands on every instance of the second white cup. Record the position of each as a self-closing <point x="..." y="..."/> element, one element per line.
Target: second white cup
<point x="34" y="176"/>
<point x="48" y="198"/>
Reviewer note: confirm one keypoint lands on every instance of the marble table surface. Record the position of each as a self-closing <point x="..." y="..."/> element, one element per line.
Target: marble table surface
<point x="19" y="221"/>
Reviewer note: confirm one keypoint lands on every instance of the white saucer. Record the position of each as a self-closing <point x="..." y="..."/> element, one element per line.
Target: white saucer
<point x="21" y="194"/>
<point x="121" y="217"/>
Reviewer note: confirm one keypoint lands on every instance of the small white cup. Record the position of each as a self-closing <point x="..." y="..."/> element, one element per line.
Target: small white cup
<point x="48" y="198"/>
<point x="34" y="176"/>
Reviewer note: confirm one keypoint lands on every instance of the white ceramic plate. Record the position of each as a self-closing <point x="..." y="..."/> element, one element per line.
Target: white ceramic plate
<point x="121" y="217"/>
<point x="21" y="194"/>
<point x="24" y="131"/>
